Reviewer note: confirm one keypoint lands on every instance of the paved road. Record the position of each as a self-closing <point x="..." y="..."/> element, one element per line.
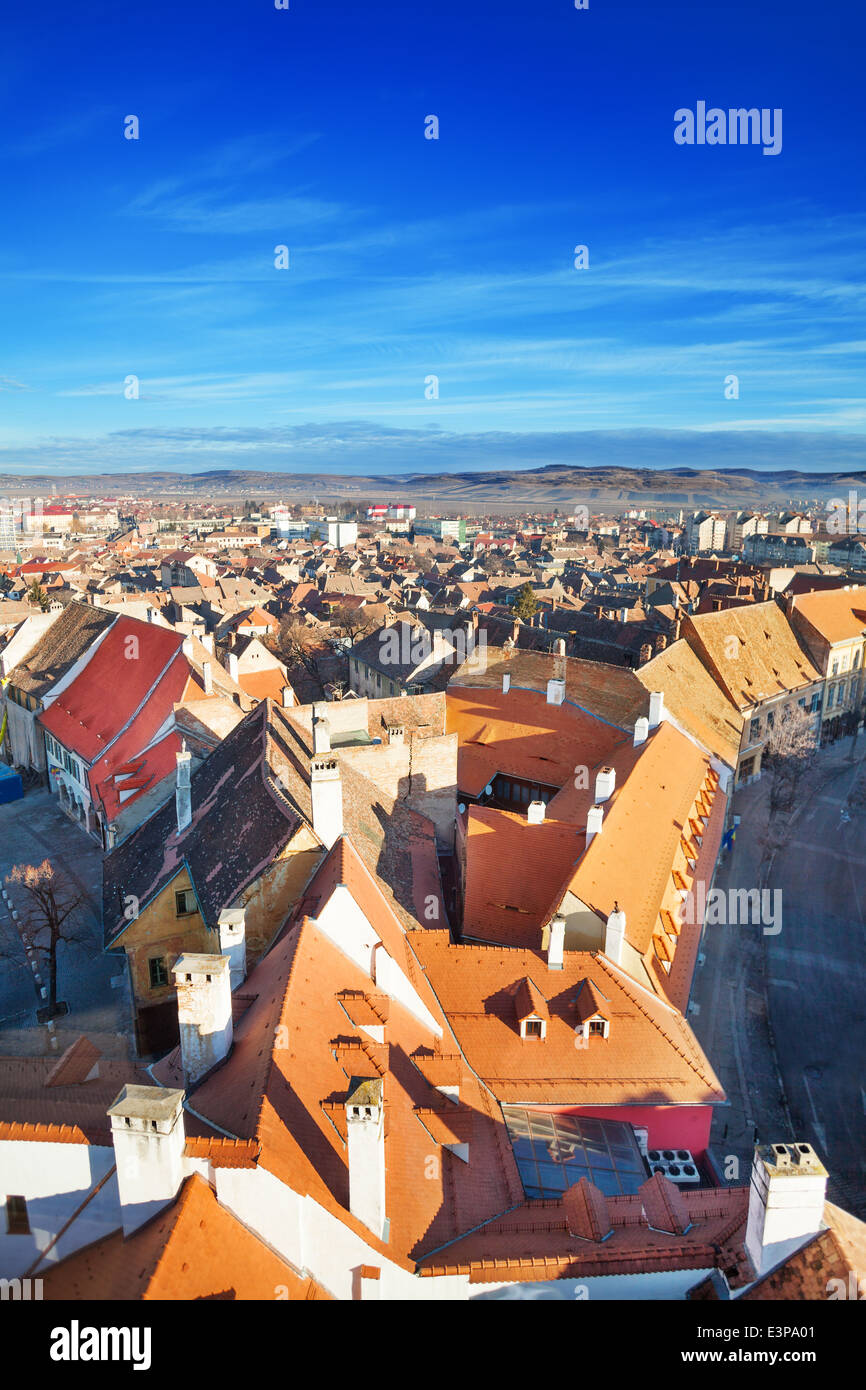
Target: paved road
<point x="816" y="984"/>
<point x="31" y="830"/>
<point x="783" y="1017"/>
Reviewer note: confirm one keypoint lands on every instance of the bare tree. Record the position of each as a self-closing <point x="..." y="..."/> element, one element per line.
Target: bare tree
<point x="50" y="917"/>
<point x="298" y="645"/>
<point x="788" y="755"/>
<point x="352" y="623"/>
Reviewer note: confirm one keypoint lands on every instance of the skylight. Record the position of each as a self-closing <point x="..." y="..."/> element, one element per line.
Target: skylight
<point x="554" y="1152"/>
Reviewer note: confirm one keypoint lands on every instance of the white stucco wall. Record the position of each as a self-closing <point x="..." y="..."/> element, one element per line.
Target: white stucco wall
<point x="343" y="923"/>
<point x="54" y="1179"/>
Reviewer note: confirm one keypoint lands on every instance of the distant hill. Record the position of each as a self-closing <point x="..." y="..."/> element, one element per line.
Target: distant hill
<point x="559" y="485"/>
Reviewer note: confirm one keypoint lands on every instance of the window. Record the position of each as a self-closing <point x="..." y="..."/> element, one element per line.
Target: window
<point x="771" y="721"/>
<point x="184" y="902"/>
<point x="596" y="1027"/>
<point x="532" y="1028"/>
<point x="816" y="702"/>
<point x="754" y="730"/>
<point x="158" y="972"/>
<point x="17" y="1220"/>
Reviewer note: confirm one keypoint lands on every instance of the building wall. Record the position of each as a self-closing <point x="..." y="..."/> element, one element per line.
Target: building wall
<point x="421" y="771"/>
<point x="270" y="899"/>
<point x="54" y="1179"/>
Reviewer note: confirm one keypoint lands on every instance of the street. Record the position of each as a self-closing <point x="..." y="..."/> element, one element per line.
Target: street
<point x="31" y="830"/>
<point x="782" y="1017"/>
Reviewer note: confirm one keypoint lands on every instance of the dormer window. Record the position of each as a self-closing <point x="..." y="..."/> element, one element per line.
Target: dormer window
<point x="532" y="1028"/>
<point x="598" y="1027"/>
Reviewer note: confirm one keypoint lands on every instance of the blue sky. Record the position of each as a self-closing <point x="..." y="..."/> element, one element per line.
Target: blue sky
<point x="411" y="258"/>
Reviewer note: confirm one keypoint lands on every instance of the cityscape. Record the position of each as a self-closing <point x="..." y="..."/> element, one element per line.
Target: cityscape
<point x="432" y="689"/>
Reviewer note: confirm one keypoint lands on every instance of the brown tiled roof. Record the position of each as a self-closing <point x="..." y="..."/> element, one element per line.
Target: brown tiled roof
<point x="538" y="1241"/>
<point x="835" y="1253"/>
<point x="752" y="652"/>
<point x="58" y="649"/>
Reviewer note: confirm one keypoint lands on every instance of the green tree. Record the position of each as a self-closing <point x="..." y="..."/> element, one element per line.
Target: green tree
<point x="36" y="594"/>
<point x="526" y="604"/>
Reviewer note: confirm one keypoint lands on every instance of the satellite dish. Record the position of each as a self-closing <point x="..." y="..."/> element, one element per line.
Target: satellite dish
<point x="488" y="791"/>
<point x="461" y="808"/>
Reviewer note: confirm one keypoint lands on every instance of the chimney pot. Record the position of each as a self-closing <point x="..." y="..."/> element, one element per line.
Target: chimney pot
<point x="786" y="1202"/>
<point x="365" y="1144"/>
<point x="147" y="1130"/>
<point x="605" y="782"/>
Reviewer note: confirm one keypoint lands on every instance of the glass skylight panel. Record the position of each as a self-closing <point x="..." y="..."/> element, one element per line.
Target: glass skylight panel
<point x="554" y="1152"/>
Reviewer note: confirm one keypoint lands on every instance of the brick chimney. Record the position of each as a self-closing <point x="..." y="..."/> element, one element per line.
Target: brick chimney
<point x="326" y="789"/>
<point x="204" y="1012"/>
<point x="365" y="1144"/>
<point x="147" y="1131"/>
<point x="183" y="790"/>
<point x="786" y="1202"/>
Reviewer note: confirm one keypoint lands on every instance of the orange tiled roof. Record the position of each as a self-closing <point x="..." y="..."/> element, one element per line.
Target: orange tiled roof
<point x="194" y="1249"/>
<point x="651" y="1055"/>
<point x="567" y="1238"/>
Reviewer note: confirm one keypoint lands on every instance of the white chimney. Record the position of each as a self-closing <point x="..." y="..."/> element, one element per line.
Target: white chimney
<point x="396" y="734"/>
<point x="641" y="730"/>
<point x="786" y="1202"/>
<point x="506" y="682"/>
<point x="560" y="646"/>
<point x="233" y="942"/>
<point x="207" y="677"/>
<point x="555" y="692"/>
<point x="207" y="641"/>
<point x="656" y="709"/>
<point x="535" y="812"/>
<point x="232" y="666"/>
<point x="186" y="646"/>
<point x="287" y="697"/>
<point x="365" y="1135"/>
<point x="556" y="943"/>
<point x="326" y="789"/>
<point x="605" y="782"/>
<point x="148" y="1134"/>
<point x="204" y="1012"/>
<point x="594" y="818"/>
<point x="321" y="734"/>
<point x="614" y="935"/>
<point x="183" y="791"/>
